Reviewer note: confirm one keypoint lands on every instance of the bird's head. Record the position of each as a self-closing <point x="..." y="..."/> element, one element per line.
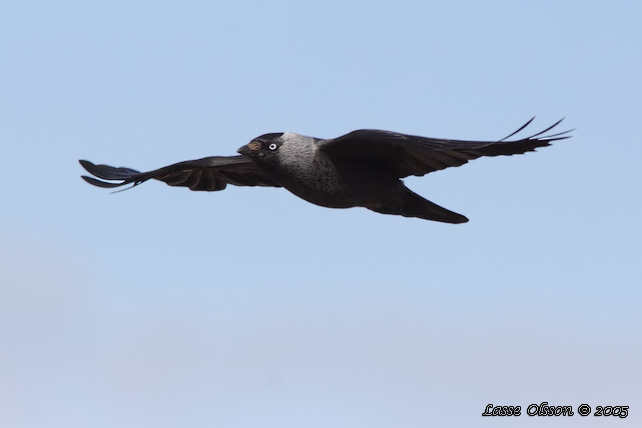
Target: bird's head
<point x="263" y="146"/>
<point x="279" y="152"/>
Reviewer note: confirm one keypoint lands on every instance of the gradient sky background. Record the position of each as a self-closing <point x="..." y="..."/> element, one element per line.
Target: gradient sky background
<point x="160" y="307"/>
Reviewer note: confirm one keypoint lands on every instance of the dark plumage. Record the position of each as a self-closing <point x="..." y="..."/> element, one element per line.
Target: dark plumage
<point x="361" y="169"/>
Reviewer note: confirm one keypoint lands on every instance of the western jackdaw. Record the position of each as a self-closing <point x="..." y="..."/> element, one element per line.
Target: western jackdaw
<point x="361" y="169"/>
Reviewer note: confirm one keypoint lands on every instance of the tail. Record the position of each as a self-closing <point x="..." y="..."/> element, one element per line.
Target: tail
<point x="413" y="205"/>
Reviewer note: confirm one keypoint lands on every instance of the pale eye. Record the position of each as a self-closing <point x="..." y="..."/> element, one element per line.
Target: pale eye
<point x="273" y="146"/>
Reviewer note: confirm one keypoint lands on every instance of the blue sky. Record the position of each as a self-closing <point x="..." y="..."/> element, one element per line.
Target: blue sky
<point x="250" y="307"/>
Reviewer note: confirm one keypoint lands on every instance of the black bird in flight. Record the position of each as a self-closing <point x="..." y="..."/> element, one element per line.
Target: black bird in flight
<point x="361" y="169"/>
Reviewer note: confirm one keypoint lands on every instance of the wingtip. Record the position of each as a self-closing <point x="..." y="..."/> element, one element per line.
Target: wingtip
<point x="100" y="183"/>
<point x="518" y="130"/>
<point x="85" y="164"/>
<point x="541" y="136"/>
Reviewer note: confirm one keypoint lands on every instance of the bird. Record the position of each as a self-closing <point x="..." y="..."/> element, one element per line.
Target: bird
<point x="363" y="168"/>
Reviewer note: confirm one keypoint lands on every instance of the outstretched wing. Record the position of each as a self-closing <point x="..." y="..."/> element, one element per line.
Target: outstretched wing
<point x="209" y="174"/>
<point x="405" y="155"/>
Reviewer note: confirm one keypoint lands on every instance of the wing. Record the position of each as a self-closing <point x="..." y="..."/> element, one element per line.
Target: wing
<point x="209" y="174"/>
<point x="406" y="155"/>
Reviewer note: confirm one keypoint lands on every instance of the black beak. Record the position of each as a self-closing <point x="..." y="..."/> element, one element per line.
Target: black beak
<point x="252" y="149"/>
<point x="246" y="151"/>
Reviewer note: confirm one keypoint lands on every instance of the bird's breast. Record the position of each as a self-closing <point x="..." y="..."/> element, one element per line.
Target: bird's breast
<point x="339" y="184"/>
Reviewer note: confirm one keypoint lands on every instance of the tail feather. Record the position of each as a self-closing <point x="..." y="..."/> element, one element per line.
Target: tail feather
<point x="411" y="204"/>
<point x="416" y="206"/>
